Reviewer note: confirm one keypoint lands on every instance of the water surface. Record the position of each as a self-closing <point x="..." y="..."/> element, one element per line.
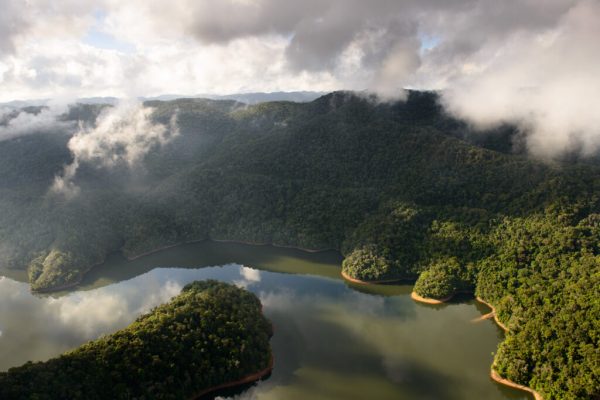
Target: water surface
<point x="333" y="340"/>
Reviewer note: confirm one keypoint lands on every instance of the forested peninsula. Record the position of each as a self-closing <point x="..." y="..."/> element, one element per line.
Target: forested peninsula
<point x="401" y="189"/>
<point x="210" y="336"/>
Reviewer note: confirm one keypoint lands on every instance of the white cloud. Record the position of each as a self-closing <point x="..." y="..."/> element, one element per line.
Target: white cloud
<point x="64" y="185"/>
<point x="18" y="123"/>
<point x="121" y="135"/>
<point x="249" y="275"/>
<point x="546" y="82"/>
<point x="531" y="62"/>
<point x="165" y="292"/>
<point x="87" y="313"/>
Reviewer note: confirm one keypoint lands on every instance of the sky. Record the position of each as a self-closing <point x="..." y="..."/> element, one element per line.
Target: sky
<point x="530" y="62"/>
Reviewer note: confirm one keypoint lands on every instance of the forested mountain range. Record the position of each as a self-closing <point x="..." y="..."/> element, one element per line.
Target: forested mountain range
<point x="400" y="188"/>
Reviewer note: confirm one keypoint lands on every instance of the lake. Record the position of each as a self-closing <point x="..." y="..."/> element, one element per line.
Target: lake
<point x="333" y="340"/>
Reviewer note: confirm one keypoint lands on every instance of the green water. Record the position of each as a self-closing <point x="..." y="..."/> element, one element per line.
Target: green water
<point x="332" y="340"/>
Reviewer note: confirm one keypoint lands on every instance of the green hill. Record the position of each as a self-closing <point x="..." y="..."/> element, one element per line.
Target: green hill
<point x="209" y="335"/>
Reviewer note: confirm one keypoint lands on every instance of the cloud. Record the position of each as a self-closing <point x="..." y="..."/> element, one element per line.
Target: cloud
<point x="121" y="135"/>
<point x="320" y="38"/>
<point x="399" y="64"/>
<point x="22" y="19"/>
<point x="88" y="313"/>
<point x="16" y="122"/>
<point x="12" y="23"/>
<point x="546" y="82"/>
<point x="529" y="62"/>
<point x="249" y="276"/>
<point x="64" y="185"/>
<point x="166" y="291"/>
<point x="280" y="300"/>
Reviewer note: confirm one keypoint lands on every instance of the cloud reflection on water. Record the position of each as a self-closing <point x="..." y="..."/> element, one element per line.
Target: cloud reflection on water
<point x="36" y="328"/>
<point x="249" y="276"/>
<point x="330" y="340"/>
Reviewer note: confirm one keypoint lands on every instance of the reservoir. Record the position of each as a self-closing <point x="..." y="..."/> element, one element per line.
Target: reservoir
<point x="333" y="340"/>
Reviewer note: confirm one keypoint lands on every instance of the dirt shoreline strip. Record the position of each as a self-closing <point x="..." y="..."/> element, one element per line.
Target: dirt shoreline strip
<point x="489" y="315"/>
<point x="245" y="380"/>
<point x="500" y="324"/>
<point x="496" y="377"/>
<point x="426" y="300"/>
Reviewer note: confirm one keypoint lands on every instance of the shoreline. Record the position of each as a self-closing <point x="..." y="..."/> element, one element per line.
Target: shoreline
<point x="484" y="317"/>
<point x="428" y="300"/>
<point x="54" y="289"/>
<point x="242" y="381"/>
<point x="358" y="281"/>
<point x="147" y="253"/>
<point x="503" y="381"/>
<point x="258" y="375"/>
<point x="491" y="315"/>
<point x="65" y="286"/>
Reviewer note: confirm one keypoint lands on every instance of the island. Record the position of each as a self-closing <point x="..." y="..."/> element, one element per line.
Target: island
<point x="211" y="336"/>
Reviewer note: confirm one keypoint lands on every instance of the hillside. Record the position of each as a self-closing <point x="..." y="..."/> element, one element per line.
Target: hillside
<point x="210" y="335"/>
<point x="401" y="189"/>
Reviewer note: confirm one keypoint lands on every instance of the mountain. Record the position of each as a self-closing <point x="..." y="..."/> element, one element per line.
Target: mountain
<point x="255" y="98"/>
<point x="17" y="104"/>
<point x="403" y="190"/>
<point x="248" y="98"/>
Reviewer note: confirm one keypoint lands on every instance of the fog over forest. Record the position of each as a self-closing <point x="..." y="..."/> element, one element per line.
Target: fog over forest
<point x="444" y="152"/>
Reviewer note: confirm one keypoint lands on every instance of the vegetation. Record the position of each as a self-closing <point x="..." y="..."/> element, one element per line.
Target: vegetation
<point x="442" y="279"/>
<point x="545" y="283"/>
<point x="401" y="189"/>
<point x="211" y="334"/>
<point x="366" y="265"/>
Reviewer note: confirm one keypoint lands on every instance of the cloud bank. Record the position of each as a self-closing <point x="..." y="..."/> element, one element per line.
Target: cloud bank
<point x="547" y="83"/>
<point x="121" y="135"/>
<point x="16" y="122"/>
<point x="527" y="62"/>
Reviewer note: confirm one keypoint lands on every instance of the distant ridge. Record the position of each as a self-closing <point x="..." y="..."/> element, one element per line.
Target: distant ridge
<point x="250" y="98"/>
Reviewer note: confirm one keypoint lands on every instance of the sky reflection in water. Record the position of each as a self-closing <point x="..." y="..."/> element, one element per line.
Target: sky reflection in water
<point x="330" y="341"/>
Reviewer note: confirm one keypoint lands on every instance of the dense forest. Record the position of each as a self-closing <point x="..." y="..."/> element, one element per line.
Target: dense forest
<point x="403" y="190"/>
<point x="211" y="334"/>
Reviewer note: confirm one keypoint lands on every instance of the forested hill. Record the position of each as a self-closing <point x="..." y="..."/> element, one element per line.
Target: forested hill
<point x="211" y="335"/>
<point x="401" y="189"/>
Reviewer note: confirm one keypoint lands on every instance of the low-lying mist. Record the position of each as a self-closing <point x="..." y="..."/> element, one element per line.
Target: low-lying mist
<point x="121" y="135"/>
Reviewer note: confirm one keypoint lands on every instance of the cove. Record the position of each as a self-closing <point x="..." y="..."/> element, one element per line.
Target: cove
<point x="333" y="339"/>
